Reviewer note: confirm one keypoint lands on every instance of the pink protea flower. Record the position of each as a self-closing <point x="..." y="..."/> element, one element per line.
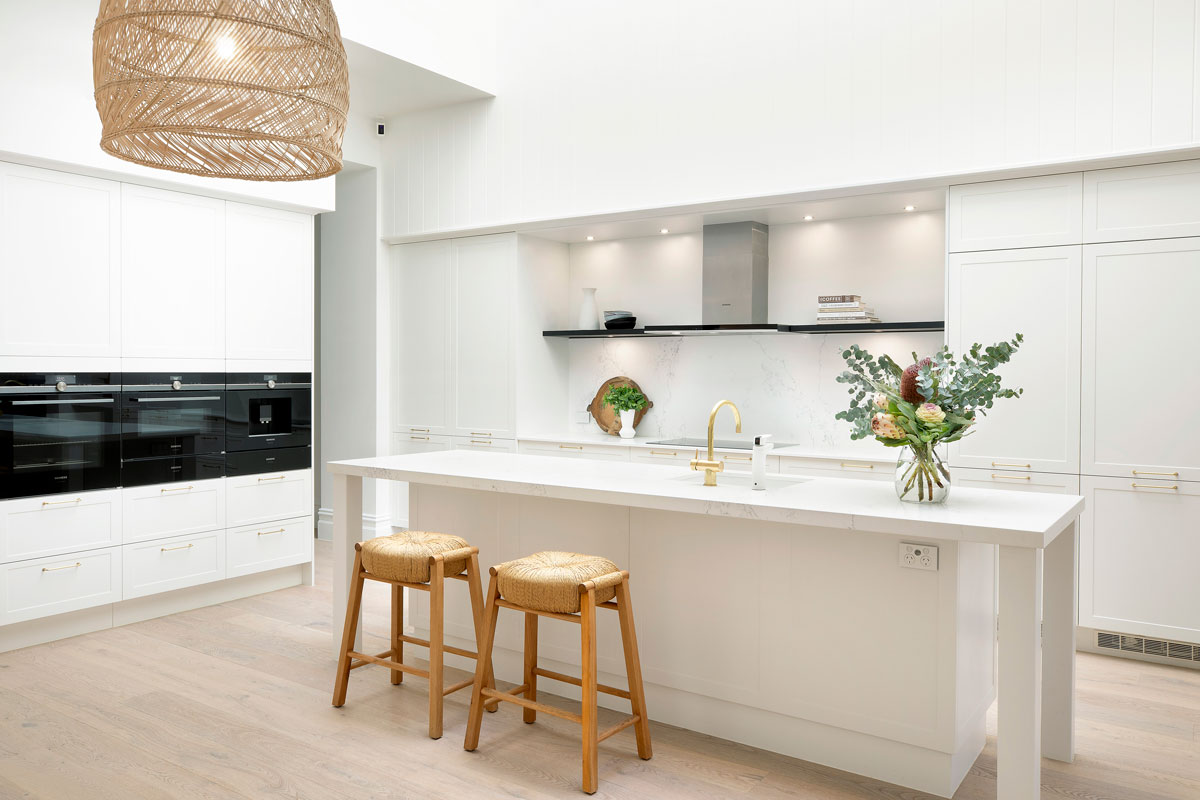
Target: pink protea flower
<point x="885" y="425"/>
<point x="880" y="400"/>
<point x="930" y="413"/>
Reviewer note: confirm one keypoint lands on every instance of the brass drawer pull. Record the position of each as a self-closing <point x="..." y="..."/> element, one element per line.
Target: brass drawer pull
<point x="671" y="453"/>
<point x="737" y="458"/>
<point x="419" y="430"/>
<point x="1002" y="464"/>
<point x="61" y="502"/>
<point x="268" y="533"/>
<point x="187" y="546"/>
<point x="1012" y="477"/>
<point x="276" y="478"/>
<point x="477" y="433"/>
<point x="180" y="489"/>
<point x="1151" y="486"/>
<point x="67" y="566"/>
<point x="570" y="447"/>
<point x="1169" y="474"/>
<point x="476" y="441"/>
<point x="847" y="465"/>
<point x="420" y="438"/>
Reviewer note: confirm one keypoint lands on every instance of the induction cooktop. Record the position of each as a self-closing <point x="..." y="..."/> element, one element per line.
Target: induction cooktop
<point x="727" y="444"/>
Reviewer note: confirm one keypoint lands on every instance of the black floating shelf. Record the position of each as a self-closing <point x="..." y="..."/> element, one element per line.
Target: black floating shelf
<point x="719" y="330"/>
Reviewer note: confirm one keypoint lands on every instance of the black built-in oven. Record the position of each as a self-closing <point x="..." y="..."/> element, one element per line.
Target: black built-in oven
<point x="58" y="433"/>
<point x="268" y="422"/>
<point x="172" y="427"/>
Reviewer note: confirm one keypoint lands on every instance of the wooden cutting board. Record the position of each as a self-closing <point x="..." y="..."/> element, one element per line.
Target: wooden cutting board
<point x="607" y="418"/>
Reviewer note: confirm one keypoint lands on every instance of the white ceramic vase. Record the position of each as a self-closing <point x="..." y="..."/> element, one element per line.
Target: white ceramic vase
<point x="589" y="314"/>
<point x="627" y="430"/>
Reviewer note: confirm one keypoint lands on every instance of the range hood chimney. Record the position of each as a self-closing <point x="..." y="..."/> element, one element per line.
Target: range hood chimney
<point x="735" y="275"/>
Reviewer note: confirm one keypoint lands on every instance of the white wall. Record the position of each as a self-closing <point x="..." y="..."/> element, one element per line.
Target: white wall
<point x="632" y="105"/>
<point x="658" y="278"/>
<point x="48" y="112"/>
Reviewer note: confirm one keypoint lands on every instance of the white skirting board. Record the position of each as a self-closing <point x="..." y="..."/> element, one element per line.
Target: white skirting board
<point x="373" y="525"/>
<point x="61" y="626"/>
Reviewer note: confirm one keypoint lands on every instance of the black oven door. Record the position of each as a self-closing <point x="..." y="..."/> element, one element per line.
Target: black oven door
<point x="58" y="442"/>
<point x="265" y="419"/>
<point x="171" y="423"/>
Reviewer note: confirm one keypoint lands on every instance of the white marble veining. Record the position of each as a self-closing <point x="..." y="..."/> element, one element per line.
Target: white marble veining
<point x="974" y="515"/>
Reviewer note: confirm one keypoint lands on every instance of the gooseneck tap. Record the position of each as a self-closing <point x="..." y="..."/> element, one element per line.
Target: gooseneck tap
<point x="710" y="465"/>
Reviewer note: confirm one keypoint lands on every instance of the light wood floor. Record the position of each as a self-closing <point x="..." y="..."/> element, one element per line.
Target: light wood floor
<point x="232" y="701"/>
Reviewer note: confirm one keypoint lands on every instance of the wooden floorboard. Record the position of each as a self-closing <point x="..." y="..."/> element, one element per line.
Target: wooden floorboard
<point x="232" y="701"/>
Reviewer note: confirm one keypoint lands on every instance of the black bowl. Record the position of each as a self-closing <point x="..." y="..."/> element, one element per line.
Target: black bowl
<point x="620" y="323"/>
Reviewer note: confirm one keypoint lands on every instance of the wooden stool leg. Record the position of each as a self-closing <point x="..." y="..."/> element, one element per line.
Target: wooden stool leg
<point x="588" y="650"/>
<point x="531" y="660"/>
<point x="475" y="718"/>
<point x="349" y="631"/>
<point x="397" y="630"/>
<point x="633" y="670"/>
<point x="475" y="588"/>
<point x="437" y="615"/>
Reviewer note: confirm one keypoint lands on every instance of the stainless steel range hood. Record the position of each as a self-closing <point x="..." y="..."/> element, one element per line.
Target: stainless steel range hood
<point x="735" y="281"/>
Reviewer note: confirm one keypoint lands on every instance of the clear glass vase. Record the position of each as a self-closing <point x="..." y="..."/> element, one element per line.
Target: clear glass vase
<point x="921" y="477"/>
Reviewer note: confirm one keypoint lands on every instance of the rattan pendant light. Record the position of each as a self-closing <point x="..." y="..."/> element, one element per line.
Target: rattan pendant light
<point x="252" y="89"/>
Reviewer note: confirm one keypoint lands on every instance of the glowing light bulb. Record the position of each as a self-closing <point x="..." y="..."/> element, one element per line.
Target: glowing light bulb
<point x="664" y="230"/>
<point x="910" y="208"/>
<point x="226" y="48"/>
<point x="808" y="217"/>
<point x="591" y="238"/>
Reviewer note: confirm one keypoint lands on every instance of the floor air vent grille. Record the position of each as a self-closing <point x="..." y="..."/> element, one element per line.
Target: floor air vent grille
<point x="1150" y="647"/>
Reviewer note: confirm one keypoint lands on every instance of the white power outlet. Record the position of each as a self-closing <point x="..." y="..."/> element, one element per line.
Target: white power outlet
<point x="919" y="556"/>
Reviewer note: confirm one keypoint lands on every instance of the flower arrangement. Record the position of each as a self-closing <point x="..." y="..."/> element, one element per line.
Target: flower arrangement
<point x="936" y="400"/>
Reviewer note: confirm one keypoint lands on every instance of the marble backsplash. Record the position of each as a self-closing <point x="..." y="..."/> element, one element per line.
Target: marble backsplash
<point x="783" y="384"/>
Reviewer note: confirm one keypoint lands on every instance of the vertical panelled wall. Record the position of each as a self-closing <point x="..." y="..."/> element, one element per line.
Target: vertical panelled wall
<point x="639" y="105"/>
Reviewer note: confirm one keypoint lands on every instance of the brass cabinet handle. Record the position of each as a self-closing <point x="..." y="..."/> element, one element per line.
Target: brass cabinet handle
<point x="420" y="438"/>
<point x="180" y="489"/>
<point x="476" y="441"/>
<point x="1012" y="477"/>
<point x="1142" y="472"/>
<point x="187" y="546"/>
<point x="1151" y="486"/>
<point x="847" y="465"/>
<point x="738" y="458"/>
<point x="1002" y="464"/>
<point x="477" y="433"/>
<point x="663" y="453"/>
<point x="67" y="566"/>
<point x="419" y="430"/>
<point x="276" y="478"/>
<point x="570" y="447"/>
<point x="268" y="533"/>
<point x="61" y="502"/>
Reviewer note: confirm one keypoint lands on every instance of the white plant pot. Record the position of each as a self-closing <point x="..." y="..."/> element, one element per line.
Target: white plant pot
<point x="627" y="430"/>
<point x="589" y="314"/>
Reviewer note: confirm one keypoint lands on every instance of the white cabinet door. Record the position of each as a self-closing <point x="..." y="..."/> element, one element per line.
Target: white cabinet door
<point x="176" y="563"/>
<point x="483" y="444"/>
<point x="1024" y="212"/>
<point x="1035" y="292"/>
<point x="421" y="333"/>
<point x="1155" y="201"/>
<point x="60" y="264"/>
<point x="575" y="450"/>
<point x="155" y="512"/>
<point x="251" y="499"/>
<point x="268" y="285"/>
<point x="1138" y="551"/>
<point x="32" y="527"/>
<point x="403" y="443"/>
<point x="173" y="274"/>
<point x="483" y="398"/>
<point x="258" y="548"/>
<point x="1139" y="381"/>
<point x="46" y="586"/>
<point x="1016" y="481"/>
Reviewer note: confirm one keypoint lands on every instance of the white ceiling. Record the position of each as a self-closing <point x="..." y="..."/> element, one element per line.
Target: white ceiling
<point x="382" y="86"/>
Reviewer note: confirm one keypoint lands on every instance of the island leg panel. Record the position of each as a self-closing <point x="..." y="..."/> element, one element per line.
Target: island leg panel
<point x="1019" y="682"/>
<point x="1058" y="646"/>
<point x="347" y="531"/>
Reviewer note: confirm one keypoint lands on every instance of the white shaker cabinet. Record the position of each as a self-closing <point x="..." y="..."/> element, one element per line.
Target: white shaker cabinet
<point x="421" y="299"/>
<point x="483" y="303"/>
<point x="1139" y="303"/>
<point x="173" y="274"/>
<point x="403" y="443"/>
<point x="268" y="288"/>
<point x="1023" y="212"/>
<point x="1153" y="201"/>
<point x="1138" y="551"/>
<point x="1036" y="292"/>
<point x="60" y="264"/>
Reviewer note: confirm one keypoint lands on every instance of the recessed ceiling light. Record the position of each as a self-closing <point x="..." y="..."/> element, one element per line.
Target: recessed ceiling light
<point x="591" y="238"/>
<point x="664" y="230"/>
<point x="808" y="217"/>
<point x="910" y="208"/>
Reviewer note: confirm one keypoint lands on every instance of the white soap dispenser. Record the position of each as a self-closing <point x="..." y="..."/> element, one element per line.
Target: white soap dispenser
<point x="758" y="461"/>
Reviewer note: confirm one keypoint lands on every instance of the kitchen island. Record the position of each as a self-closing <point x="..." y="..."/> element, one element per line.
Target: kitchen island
<point x="783" y="619"/>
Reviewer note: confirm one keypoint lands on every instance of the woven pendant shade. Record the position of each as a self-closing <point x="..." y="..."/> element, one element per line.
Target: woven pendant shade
<point x="252" y="89"/>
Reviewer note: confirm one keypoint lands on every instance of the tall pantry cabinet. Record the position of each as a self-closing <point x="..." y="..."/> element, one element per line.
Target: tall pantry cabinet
<point x="1100" y="271"/>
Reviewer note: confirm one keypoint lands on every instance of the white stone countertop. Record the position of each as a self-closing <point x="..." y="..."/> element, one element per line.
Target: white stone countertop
<point x="992" y="516"/>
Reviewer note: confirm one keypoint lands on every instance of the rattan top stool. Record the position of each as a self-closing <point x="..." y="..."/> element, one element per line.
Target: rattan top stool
<point x="570" y="587"/>
<point x="422" y="561"/>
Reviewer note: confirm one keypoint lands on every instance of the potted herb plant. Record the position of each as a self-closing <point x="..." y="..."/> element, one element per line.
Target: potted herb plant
<point x="626" y="401"/>
<point x="936" y="400"/>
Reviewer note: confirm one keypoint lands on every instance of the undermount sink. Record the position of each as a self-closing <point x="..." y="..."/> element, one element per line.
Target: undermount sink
<point x="742" y="480"/>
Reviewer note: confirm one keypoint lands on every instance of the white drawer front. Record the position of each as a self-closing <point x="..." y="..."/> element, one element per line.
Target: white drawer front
<point x="575" y="450"/>
<point x="153" y="567"/>
<point x="682" y="456"/>
<point x="32" y="527"/>
<point x="1155" y="201"/>
<point x="250" y="499"/>
<point x="46" y="586"/>
<point x="257" y="548"/>
<point x="1014" y="480"/>
<point x="154" y="512"/>
<point x="870" y="470"/>
<point x="483" y="444"/>
<point x="1024" y="212"/>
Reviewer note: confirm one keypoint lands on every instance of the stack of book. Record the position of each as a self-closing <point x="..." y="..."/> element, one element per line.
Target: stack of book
<point x="843" y="309"/>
